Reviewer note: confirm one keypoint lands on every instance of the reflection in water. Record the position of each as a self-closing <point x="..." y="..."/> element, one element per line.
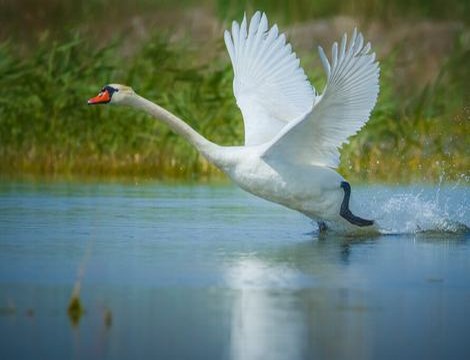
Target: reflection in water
<point x="289" y="307"/>
<point x="234" y="279"/>
<point x="266" y="323"/>
<point x="75" y="310"/>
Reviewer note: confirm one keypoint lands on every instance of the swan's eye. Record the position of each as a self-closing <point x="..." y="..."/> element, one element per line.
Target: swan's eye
<point x="110" y="89"/>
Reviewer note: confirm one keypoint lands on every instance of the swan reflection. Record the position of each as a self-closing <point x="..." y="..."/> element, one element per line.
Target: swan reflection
<point x="266" y="320"/>
<point x="293" y="307"/>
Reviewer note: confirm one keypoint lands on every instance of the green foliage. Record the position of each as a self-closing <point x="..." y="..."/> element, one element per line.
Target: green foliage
<point x="47" y="128"/>
<point x="420" y="134"/>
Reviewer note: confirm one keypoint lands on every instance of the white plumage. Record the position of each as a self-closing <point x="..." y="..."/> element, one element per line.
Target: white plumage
<point x="270" y="87"/>
<point x="292" y="134"/>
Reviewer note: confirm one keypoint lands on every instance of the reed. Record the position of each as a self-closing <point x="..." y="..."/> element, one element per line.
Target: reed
<point x="47" y="128"/>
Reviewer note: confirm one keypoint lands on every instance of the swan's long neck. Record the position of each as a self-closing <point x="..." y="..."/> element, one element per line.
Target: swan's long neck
<point x="207" y="148"/>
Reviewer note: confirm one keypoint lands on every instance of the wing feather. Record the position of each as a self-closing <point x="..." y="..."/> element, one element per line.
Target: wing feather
<point x="269" y="85"/>
<point x="343" y="108"/>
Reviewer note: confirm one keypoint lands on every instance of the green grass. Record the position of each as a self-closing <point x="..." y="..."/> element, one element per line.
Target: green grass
<point x="416" y="134"/>
<point x="47" y="128"/>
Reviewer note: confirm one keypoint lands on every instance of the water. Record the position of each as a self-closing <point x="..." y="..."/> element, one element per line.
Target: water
<point x="210" y="272"/>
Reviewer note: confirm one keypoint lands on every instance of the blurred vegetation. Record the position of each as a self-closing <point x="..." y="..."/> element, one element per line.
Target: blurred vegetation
<point x="417" y="135"/>
<point x="301" y="10"/>
<point x="47" y="128"/>
<point x="23" y="16"/>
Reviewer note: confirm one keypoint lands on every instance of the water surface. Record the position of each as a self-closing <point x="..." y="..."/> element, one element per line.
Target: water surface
<point x="210" y="272"/>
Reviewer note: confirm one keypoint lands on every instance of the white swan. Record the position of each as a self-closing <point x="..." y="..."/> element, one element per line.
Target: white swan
<point x="292" y="133"/>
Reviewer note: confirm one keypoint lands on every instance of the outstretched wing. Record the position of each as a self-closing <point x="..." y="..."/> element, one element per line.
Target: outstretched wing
<point x="343" y="108"/>
<point x="270" y="87"/>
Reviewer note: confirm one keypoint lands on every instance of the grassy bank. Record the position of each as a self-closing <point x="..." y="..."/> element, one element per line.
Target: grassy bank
<point x="417" y="133"/>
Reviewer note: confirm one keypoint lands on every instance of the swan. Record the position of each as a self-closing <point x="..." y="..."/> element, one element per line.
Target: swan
<point x="292" y="133"/>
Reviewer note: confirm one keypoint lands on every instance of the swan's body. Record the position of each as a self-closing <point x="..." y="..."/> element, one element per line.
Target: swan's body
<point x="292" y="134"/>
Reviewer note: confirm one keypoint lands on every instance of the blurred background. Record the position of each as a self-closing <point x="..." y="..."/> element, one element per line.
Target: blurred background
<point x="55" y="54"/>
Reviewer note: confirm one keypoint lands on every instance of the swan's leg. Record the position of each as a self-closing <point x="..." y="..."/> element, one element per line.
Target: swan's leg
<point x="322" y="227"/>
<point x="346" y="213"/>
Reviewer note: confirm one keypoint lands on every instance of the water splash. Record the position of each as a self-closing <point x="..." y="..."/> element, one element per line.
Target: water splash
<point x="440" y="209"/>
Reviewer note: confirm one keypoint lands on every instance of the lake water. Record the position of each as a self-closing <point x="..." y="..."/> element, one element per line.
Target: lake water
<point x="210" y="272"/>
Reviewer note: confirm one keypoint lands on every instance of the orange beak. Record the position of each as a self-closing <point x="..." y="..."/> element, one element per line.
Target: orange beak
<point x="102" y="98"/>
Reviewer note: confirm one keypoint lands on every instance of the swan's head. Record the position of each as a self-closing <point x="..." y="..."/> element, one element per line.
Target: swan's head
<point x="112" y="94"/>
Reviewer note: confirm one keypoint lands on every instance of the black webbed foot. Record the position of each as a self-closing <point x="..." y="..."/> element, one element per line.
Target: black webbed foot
<point x="346" y="213"/>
